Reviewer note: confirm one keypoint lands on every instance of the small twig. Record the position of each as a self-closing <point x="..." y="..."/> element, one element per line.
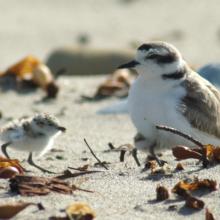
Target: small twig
<point x="186" y="136"/>
<point x="67" y="174"/>
<point x="84" y="190"/>
<point x="92" y="152"/>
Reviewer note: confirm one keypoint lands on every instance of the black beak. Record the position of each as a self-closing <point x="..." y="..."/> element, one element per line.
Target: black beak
<point x="62" y="129"/>
<point x="131" y="64"/>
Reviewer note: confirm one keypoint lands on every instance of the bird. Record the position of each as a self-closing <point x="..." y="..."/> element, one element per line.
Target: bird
<point x="168" y="92"/>
<point x="35" y="134"/>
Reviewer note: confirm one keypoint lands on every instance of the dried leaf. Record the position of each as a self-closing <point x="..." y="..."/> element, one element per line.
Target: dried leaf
<point x="24" y="67"/>
<point x="10" y="210"/>
<point x="183" y="152"/>
<point x="77" y="211"/>
<point x="211" y="152"/>
<point x="195" y="185"/>
<point x="162" y="193"/>
<point x="209" y="215"/>
<point x="8" y="172"/>
<point x="80" y="211"/>
<point x="30" y="71"/>
<point x="34" y="185"/>
<point x="119" y="81"/>
<point x="207" y="183"/>
<point x="194" y="203"/>
<point x="9" y="168"/>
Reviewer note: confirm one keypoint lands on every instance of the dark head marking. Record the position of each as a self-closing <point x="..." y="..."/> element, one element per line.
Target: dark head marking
<point x="145" y="47"/>
<point x="178" y="74"/>
<point x="169" y="57"/>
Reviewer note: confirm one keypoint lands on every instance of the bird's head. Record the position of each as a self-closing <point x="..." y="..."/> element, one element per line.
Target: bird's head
<point x="155" y="59"/>
<point x="46" y="124"/>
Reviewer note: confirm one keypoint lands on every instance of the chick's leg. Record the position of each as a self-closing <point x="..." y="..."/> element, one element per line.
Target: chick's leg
<point x="32" y="163"/>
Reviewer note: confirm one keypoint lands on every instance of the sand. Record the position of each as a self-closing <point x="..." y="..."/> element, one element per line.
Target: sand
<point x="38" y="27"/>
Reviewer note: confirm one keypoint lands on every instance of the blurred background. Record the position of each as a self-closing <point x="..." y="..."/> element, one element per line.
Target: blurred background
<point x="40" y="27"/>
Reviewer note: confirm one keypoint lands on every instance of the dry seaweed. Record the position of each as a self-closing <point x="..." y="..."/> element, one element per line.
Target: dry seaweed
<point x="34" y="185"/>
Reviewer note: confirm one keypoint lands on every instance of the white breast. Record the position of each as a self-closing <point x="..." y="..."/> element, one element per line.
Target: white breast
<point x="156" y="102"/>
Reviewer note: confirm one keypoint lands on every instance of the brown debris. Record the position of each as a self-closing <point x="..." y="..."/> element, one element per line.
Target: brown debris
<point x="162" y="193"/>
<point x="77" y="211"/>
<point x="150" y="164"/>
<point x="80" y="211"/>
<point x="179" y="167"/>
<point x="9" y="168"/>
<point x="209" y="215"/>
<point x="190" y="201"/>
<point x="183" y="189"/>
<point x="208" y="154"/>
<point x="194" y="203"/>
<point x="8" y="211"/>
<point x="212" y="153"/>
<point x="183" y="152"/>
<point x="116" y="85"/>
<point x="31" y="72"/>
<point x="34" y="185"/>
<point x="162" y="170"/>
<point x="195" y="185"/>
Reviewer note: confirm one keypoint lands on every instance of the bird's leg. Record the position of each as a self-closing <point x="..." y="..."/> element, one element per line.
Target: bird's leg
<point x="152" y="152"/>
<point x="134" y="154"/>
<point x="3" y="148"/>
<point x="32" y="163"/>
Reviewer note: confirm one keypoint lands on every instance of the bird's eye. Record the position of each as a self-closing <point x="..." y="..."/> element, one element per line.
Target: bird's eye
<point x="151" y="56"/>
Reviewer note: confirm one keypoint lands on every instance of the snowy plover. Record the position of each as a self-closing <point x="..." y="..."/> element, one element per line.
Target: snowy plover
<point x="34" y="135"/>
<point x="168" y="92"/>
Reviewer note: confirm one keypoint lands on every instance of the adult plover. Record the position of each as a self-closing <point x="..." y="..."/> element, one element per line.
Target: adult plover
<point x="168" y="92"/>
<point x="34" y="135"/>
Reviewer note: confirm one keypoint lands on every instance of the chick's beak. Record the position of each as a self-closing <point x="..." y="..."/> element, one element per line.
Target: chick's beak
<point x="61" y="128"/>
<point x="131" y="64"/>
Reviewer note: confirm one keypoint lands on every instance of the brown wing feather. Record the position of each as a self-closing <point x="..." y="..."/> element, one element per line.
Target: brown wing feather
<point x="201" y="105"/>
